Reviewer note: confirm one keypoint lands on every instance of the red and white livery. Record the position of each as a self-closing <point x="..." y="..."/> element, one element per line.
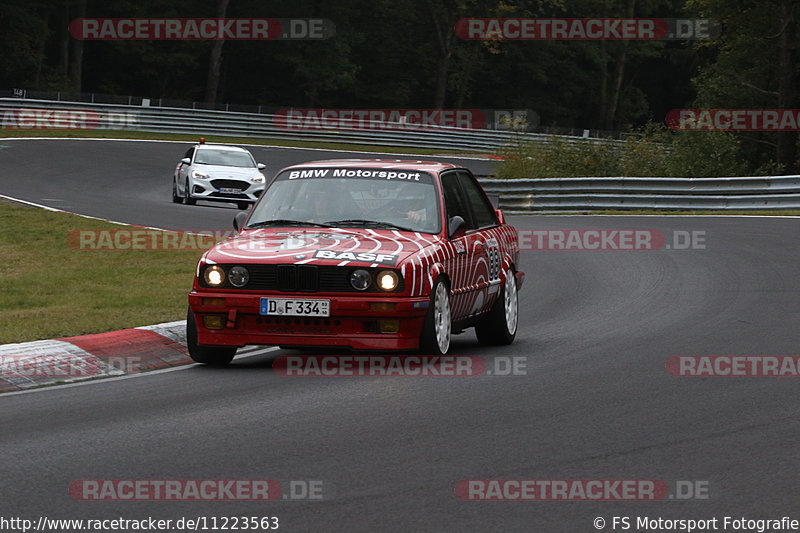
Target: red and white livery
<point x="364" y="254"/>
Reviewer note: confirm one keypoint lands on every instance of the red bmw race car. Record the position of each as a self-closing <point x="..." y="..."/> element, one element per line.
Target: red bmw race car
<point x="363" y="254"/>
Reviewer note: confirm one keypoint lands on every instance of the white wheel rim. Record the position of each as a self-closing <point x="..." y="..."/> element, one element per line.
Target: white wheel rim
<point x="441" y="317"/>
<point x="511" y="302"/>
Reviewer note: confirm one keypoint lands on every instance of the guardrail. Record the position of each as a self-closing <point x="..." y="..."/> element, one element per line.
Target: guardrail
<point x="580" y="194"/>
<point x="515" y="196"/>
<point x="27" y="113"/>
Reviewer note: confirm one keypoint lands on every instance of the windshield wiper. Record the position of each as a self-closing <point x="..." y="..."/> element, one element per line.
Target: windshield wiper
<point x="362" y="222"/>
<point x="284" y="222"/>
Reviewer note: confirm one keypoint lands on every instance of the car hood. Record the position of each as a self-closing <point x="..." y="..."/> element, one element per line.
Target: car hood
<point x="223" y="172"/>
<point x="334" y="246"/>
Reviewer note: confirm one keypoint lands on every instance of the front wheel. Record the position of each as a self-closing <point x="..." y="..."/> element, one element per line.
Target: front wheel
<point x="500" y="325"/>
<point x="175" y="198"/>
<point x="210" y="355"/>
<point x="435" y="338"/>
<point x="187" y="194"/>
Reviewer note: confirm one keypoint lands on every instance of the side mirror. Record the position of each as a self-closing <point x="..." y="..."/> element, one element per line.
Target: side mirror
<point x="454" y="226"/>
<point x="186" y="161"/>
<point x="238" y="220"/>
<point x="501" y="218"/>
<point x="261" y="166"/>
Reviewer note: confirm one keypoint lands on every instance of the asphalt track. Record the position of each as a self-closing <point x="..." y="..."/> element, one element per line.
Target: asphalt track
<point x="596" y="401"/>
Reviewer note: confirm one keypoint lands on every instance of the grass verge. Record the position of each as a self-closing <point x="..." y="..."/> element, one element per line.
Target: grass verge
<point x="50" y="289"/>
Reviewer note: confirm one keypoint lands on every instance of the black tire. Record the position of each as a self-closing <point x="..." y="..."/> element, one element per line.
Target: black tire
<point x="175" y="198"/>
<point x="243" y="206"/>
<point x="187" y="195"/>
<point x="209" y="355"/>
<point x="500" y="325"/>
<point x="437" y="328"/>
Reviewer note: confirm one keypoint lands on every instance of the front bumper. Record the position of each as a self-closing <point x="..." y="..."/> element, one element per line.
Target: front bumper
<point x="203" y="189"/>
<point x="353" y="322"/>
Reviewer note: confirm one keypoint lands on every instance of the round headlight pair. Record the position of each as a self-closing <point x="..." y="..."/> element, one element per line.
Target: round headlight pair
<point x="214" y="275"/>
<point x="361" y="280"/>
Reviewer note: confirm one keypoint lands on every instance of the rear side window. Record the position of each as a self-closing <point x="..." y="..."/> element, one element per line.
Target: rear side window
<point x="481" y="207"/>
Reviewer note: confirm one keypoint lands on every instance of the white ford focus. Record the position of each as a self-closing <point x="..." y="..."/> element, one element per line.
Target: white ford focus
<point x="219" y="173"/>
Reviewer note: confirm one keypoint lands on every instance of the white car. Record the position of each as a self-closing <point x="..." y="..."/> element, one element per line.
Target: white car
<point x="219" y="173"/>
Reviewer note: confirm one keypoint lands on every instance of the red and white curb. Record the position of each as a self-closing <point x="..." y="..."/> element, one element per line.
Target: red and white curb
<point x="29" y="365"/>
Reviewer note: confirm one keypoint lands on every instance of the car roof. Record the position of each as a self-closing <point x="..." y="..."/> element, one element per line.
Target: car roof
<point x="426" y="166"/>
<point x="206" y="146"/>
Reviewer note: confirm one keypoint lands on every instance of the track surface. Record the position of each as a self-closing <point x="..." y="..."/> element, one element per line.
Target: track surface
<point x="131" y="182"/>
<point x="596" y="403"/>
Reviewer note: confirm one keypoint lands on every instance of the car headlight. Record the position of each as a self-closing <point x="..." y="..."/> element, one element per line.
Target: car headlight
<point x="259" y="179"/>
<point x="238" y="276"/>
<point x="388" y="280"/>
<point x="214" y="275"/>
<point x="199" y="175"/>
<point x="360" y="279"/>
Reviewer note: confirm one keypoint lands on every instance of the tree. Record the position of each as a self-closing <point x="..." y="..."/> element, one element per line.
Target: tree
<point x="752" y="64"/>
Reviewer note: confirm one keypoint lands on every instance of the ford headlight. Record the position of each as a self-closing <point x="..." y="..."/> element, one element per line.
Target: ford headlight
<point x="259" y="179"/>
<point x="199" y="175"/>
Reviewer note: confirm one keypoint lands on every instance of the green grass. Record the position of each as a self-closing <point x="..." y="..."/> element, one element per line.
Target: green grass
<point x="120" y="134"/>
<point x="49" y="289"/>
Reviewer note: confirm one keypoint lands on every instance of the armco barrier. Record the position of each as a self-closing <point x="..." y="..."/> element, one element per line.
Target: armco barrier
<point x="578" y="194"/>
<point x="515" y="196"/>
<point x="26" y="113"/>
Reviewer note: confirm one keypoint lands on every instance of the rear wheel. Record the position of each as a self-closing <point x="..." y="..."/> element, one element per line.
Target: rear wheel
<point x="500" y="325"/>
<point x="187" y="195"/>
<point x="210" y="355"/>
<point x="435" y="338"/>
<point x="175" y="198"/>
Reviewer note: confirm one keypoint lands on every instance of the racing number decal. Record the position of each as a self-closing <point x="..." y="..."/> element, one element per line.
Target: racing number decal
<point x="493" y="253"/>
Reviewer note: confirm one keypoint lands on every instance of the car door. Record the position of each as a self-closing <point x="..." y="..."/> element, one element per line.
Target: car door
<point x="461" y="262"/>
<point x="486" y="248"/>
<point x="183" y="169"/>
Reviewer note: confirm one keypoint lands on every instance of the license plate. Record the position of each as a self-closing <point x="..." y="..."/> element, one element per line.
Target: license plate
<point x="229" y="190"/>
<point x="292" y="307"/>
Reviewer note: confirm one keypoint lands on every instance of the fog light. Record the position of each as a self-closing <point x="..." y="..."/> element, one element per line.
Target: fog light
<point x="382" y="306"/>
<point x="388" y="326"/>
<point x="214" y="301"/>
<point x="213" y="322"/>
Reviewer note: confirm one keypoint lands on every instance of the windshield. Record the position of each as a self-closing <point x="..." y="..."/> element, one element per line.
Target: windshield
<point x="363" y="198"/>
<point x="226" y="158"/>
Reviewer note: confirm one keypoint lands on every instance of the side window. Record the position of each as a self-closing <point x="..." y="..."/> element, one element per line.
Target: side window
<point x="453" y="199"/>
<point x="189" y="153"/>
<point x="481" y="208"/>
